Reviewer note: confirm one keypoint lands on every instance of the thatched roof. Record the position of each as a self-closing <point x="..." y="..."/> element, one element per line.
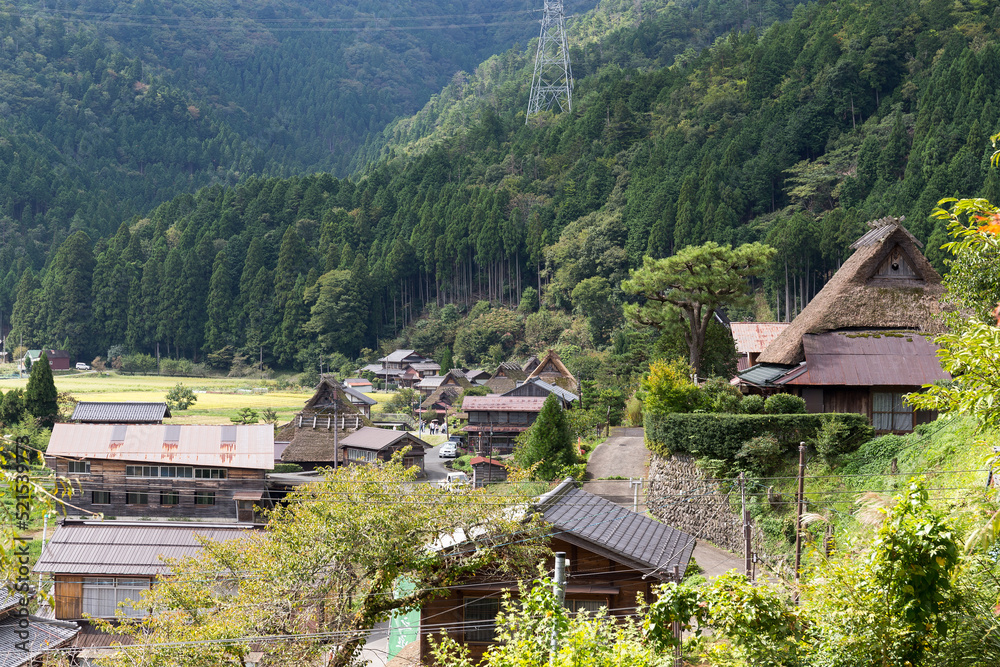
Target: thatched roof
<point x="886" y="284"/>
<point x="310" y="433"/>
<point x="506" y="377"/>
<point x="554" y="371"/>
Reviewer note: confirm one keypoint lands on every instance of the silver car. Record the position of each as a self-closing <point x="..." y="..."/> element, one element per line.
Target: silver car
<point x="448" y="450"/>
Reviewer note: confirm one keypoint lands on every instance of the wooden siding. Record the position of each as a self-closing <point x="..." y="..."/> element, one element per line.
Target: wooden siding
<point x="68" y="597"/>
<point x="110" y="476"/>
<point x="586" y="569"/>
<point x="856" y="400"/>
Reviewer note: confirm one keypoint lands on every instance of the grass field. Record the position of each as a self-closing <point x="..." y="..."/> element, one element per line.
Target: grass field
<point x="218" y="398"/>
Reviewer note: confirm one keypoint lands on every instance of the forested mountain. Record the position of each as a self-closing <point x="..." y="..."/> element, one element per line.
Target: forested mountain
<point x="795" y="135"/>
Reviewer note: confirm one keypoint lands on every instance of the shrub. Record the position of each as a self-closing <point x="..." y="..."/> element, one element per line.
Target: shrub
<point x="760" y="454"/>
<point x="752" y="404"/>
<point x="721" y="436"/>
<point x="633" y="411"/>
<point x="784" y="404"/>
<point x="138" y="363"/>
<point x="180" y="398"/>
<point x="717" y="395"/>
<point x="668" y="388"/>
<point x="834" y="438"/>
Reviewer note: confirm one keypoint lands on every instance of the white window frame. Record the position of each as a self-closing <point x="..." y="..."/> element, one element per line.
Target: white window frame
<point x="103" y="595"/>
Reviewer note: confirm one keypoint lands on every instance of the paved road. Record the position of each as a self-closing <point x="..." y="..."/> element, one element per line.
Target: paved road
<point x="624" y="454"/>
<point x="434" y="465"/>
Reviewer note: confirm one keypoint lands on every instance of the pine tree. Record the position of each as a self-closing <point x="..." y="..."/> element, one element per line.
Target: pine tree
<point x="40" y="397"/>
<point x="549" y="441"/>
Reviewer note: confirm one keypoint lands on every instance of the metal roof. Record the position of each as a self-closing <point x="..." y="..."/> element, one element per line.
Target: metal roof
<point x="358" y="396"/>
<point x="122" y="412"/>
<point x="369" y="437"/>
<point x="242" y="446"/>
<point x="127" y="548"/>
<point x="45" y="635"/>
<point x="755" y="336"/>
<point x="504" y="403"/>
<point x="869" y="358"/>
<point x="482" y="460"/>
<point x="565" y="394"/>
<point x="398" y="356"/>
<point x="638" y="540"/>
<point x="762" y="375"/>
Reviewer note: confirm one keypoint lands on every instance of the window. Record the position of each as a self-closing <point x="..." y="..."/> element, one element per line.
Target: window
<point x="518" y="418"/>
<point x="136" y="498"/>
<point x="79" y="467"/>
<point x="590" y="606"/>
<point x="170" y="498"/>
<point x="158" y="471"/>
<point x="889" y="413"/>
<point x="101" y="498"/>
<point x="204" y="497"/>
<point x="210" y="473"/>
<point x="101" y="597"/>
<point x="480" y="619"/>
<point x="361" y="455"/>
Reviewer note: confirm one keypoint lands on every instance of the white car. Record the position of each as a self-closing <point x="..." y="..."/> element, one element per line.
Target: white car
<point x="80" y="366"/>
<point x="456" y="481"/>
<point x="448" y="450"/>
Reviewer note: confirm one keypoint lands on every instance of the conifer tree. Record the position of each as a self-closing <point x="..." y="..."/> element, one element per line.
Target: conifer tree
<point x="218" y="329"/>
<point x="549" y="441"/>
<point x="40" y="396"/>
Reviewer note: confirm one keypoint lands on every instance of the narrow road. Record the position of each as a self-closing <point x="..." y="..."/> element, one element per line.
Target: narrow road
<point x="623" y="455"/>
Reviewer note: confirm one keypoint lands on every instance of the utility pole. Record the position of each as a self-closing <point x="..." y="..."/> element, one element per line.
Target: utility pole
<point x="747" y="565"/>
<point x="552" y="81"/>
<point x="799" y="500"/>
<point x="336" y="426"/>
<point x="676" y="626"/>
<point x="636" y="484"/>
<point x="559" y="590"/>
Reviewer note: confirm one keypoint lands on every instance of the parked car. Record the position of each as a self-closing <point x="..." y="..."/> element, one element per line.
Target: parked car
<point x="449" y="450"/>
<point x="456" y="481"/>
<point x="457" y="439"/>
<point x="80" y="366"/>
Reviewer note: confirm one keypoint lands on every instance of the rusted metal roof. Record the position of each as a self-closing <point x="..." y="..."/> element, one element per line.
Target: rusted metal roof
<point x="634" y="539"/>
<point x="482" y="460"/>
<point x="755" y="336"/>
<point x="244" y="446"/>
<point x="127" y="547"/>
<point x="368" y="437"/>
<point x="504" y="403"/>
<point x="120" y="412"/>
<point x="868" y="359"/>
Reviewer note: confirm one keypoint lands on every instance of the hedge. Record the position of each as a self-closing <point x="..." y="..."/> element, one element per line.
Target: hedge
<point x="720" y="436"/>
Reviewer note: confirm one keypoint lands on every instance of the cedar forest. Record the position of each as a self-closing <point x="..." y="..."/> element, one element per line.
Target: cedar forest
<point x="235" y="189"/>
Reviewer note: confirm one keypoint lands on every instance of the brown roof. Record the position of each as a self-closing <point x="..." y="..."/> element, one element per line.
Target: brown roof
<point x="370" y="437"/>
<point x="886" y="284"/>
<point x="504" y="403"/>
<point x="553" y="370"/>
<point x="127" y="547"/>
<point x="235" y="446"/>
<point x="482" y="460"/>
<point x="867" y="358"/>
<point x="755" y="336"/>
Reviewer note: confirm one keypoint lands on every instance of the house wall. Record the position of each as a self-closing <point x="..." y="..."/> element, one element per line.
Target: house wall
<point x="110" y="476"/>
<point x="68" y="597"/>
<point x="586" y="568"/>
<point x="853" y="399"/>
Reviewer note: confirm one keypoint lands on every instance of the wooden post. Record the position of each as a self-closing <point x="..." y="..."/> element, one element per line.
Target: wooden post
<point x="799" y="501"/>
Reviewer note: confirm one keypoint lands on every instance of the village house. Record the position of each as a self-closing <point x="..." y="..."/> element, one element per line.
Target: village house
<point x="866" y="339"/>
<point x="752" y="338"/>
<point x="311" y="439"/>
<point x="451" y="386"/>
<point x="370" y="445"/>
<point x="494" y="422"/>
<point x="121" y="412"/>
<point x="58" y="359"/>
<point x="538" y="387"/>
<point x="507" y="376"/>
<point x="360" y="384"/>
<point x="609" y="561"/>
<point x="359" y="400"/>
<point x="100" y="566"/>
<point x="172" y="470"/>
<point x="551" y="369"/>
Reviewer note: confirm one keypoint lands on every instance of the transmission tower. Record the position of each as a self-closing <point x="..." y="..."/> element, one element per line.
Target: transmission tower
<point x="552" y="82"/>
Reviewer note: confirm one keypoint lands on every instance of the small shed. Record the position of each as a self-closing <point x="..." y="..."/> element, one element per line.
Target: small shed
<point x="487" y="471"/>
<point x="370" y="444"/>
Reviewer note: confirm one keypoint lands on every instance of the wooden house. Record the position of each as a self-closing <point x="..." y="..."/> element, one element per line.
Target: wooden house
<point x="101" y="566"/>
<point x="494" y="422"/>
<point x="172" y="470"/>
<point x="539" y="387"/>
<point x="58" y="359"/>
<point x="609" y="562"/>
<point x="359" y="400"/>
<point x="119" y="412"/>
<point x="311" y="439"/>
<point x="486" y="471"/>
<point x="865" y="340"/>
<point x="442" y="399"/>
<point x="552" y="370"/>
<point x="371" y="444"/>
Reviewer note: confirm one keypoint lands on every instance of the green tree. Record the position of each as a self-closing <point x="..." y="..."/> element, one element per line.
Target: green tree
<point x="549" y="442"/>
<point x="12" y="408"/>
<point x="691" y="285"/>
<point x="40" y="396"/>
<point x="668" y="388"/>
<point x="180" y="397"/>
<point x="246" y="416"/>
<point x="218" y="307"/>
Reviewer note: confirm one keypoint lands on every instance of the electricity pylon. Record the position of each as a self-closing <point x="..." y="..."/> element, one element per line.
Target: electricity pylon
<point x="552" y="82"/>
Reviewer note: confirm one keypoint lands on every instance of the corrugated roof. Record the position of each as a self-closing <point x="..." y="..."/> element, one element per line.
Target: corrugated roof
<point x="127" y="548"/>
<point x="565" y="394"/>
<point x="45" y="635"/>
<point x="122" y="412"/>
<point x="639" y="540"/>
<point x="243" y="446"/>
<point x="397" y="356"/>
<point x="425" y="366"/>
<point x="869" y="358"/>
<point x="481" y="460"/>
<point x="761" y="375"/>
<point x="370" y="437"/>
<point x="504" y="403"/>
<point x="755" y="336"/>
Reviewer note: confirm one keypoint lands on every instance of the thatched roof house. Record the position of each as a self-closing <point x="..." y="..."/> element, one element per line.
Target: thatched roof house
<point x="552" y="370"/>
<point x="886" y="284"/>
<point x="327" y="417"/>
<point x="507" y="376"/>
